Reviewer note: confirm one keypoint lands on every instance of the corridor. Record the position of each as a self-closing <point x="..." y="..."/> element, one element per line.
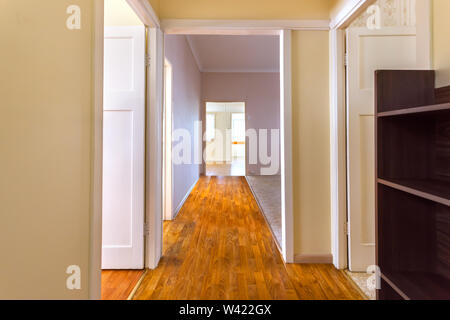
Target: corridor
<point x="220" y="247"/>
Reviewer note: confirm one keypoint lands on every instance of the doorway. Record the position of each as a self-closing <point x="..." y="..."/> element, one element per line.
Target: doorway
<point x="225" y="139"/>
<point x="376" y="40"/>
<point x="124" y="104"/>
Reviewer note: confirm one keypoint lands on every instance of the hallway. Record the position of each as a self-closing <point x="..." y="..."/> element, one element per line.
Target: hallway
<point x="220" y="247"/>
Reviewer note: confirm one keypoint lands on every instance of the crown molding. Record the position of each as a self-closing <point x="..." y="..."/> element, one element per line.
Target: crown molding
<point x="239" y="27"/>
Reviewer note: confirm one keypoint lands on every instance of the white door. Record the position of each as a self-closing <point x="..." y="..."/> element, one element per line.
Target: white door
<point x="368" y="50"/>
<point x="123" y="148"/>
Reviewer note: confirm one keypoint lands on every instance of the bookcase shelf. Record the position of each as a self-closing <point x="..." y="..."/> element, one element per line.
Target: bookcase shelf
<point x="413" y="185"/>
<point x="435" y="108"/>
<point x="433" y="190"/>
<point x="419" y="285"/>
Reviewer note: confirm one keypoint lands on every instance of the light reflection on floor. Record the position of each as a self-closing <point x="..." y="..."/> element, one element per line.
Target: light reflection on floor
<point x="234" y="169"/>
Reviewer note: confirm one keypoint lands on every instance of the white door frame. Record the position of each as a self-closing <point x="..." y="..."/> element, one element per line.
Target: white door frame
<point x="338" y="147"/>
<point x="268" y="27"/>
<point x="167" y="142"/>
<point x="153" y="164"/>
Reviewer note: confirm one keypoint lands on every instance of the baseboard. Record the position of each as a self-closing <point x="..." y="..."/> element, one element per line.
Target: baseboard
<point x="177" y="210"/>
<point x="313" y="258"/>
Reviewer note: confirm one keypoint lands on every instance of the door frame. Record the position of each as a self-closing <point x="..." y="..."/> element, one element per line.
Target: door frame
<point x="338" y="130"/>
<point x="265" y="27"/>
<point x="168" y="212"/>
<point x="204" y="105"/>
<point x="153" y="203"/>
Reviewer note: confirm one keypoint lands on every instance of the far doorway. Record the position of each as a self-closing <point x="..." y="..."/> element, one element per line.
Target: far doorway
<point x="225" y="139"/>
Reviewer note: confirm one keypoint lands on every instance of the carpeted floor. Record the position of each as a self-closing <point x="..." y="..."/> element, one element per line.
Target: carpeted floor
<point x="267" y="191"/>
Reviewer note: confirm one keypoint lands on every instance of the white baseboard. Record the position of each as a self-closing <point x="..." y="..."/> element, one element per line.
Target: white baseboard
<point x="314" y="258"/>
<point x="184" y="199"/>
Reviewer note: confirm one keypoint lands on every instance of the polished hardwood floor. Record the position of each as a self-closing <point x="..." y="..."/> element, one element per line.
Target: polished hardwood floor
<point x="118" y="284"/>
<point x="220" y="247"/>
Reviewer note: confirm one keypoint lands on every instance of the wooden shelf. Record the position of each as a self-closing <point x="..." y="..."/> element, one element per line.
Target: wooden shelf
<point x="419" y="285"/>
<point x="413" y="185"/>
<point x="409" y="111"/>
<point x="433" y="190"/>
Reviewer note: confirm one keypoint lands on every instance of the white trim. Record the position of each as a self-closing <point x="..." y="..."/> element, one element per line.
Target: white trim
<point x="145" y="12"/>
<point x="239" y="27"/>
<point x="186" y="196"/>
<point x="168" y="184"/>
<point x="240" y="70"/>
<point x="154" y="172"/>
<point x="287" y="216"/>
<point x="95" y="223"/>
<point x="313" y="258"/>
<point x="349" y="12"/>
<point x="338" y="158"/>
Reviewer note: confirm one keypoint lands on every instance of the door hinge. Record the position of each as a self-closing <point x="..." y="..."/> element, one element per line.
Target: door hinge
<point x="147" y="60"/>
<point x="146" y="229"/>
<point x="346" y="59"/>
<point x="347" y="228"/>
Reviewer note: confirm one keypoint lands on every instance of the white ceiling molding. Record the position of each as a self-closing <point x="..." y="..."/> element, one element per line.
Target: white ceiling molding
<point x="240" y="71"/>
<point x="239" y="27"/>
<point x="145" y="12"/>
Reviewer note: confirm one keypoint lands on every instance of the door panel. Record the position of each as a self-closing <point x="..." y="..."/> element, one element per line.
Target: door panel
<point x="123" y="148"/>
<point x="368" y="50"/>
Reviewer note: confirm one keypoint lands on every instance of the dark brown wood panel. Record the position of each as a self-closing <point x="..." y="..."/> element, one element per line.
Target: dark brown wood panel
<point x="399" y="89"/>
<point x="413" y="185"/>
<point x="443" y="95"/>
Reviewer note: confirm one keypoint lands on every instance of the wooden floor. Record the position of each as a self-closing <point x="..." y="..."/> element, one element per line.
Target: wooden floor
<point x="118" y="284"/>
<point x="220" y="247"/>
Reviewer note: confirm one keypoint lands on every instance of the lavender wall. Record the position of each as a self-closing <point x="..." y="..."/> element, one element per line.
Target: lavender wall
<point x="186" y="107"/>
<point x="260" y="92"/>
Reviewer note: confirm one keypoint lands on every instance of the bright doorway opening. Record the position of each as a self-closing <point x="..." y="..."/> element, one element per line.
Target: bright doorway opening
<point x="225" y="139"/>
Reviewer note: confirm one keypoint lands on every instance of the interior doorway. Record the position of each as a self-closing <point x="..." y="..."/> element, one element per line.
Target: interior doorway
<point x="225" y="139"/>
<point x="388" y="42"/>
<point x="124" y="115"/>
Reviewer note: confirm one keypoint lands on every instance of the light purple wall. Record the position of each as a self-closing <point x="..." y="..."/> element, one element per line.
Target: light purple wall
<point x="260" y="92"/>
<point x="186" y="107"/>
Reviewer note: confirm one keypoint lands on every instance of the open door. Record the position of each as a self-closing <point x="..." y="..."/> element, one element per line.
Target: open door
<point x="123" y="148"/>
<point x="368" y="50"/>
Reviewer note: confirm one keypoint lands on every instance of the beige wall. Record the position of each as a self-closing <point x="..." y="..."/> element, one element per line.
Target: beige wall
<point x="45" y="147"/>
<point x="441" y="41"/>
<point x="311" y="142"/>
<point x="119" y="13"/>
<point x="155" y="5"/>
<point x="243" y="9"/>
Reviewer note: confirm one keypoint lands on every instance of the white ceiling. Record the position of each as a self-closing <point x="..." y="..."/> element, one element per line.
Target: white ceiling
<point x="224" y="53"/>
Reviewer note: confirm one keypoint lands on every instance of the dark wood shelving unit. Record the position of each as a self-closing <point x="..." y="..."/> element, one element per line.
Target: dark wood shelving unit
<point x="413" y="185"/>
